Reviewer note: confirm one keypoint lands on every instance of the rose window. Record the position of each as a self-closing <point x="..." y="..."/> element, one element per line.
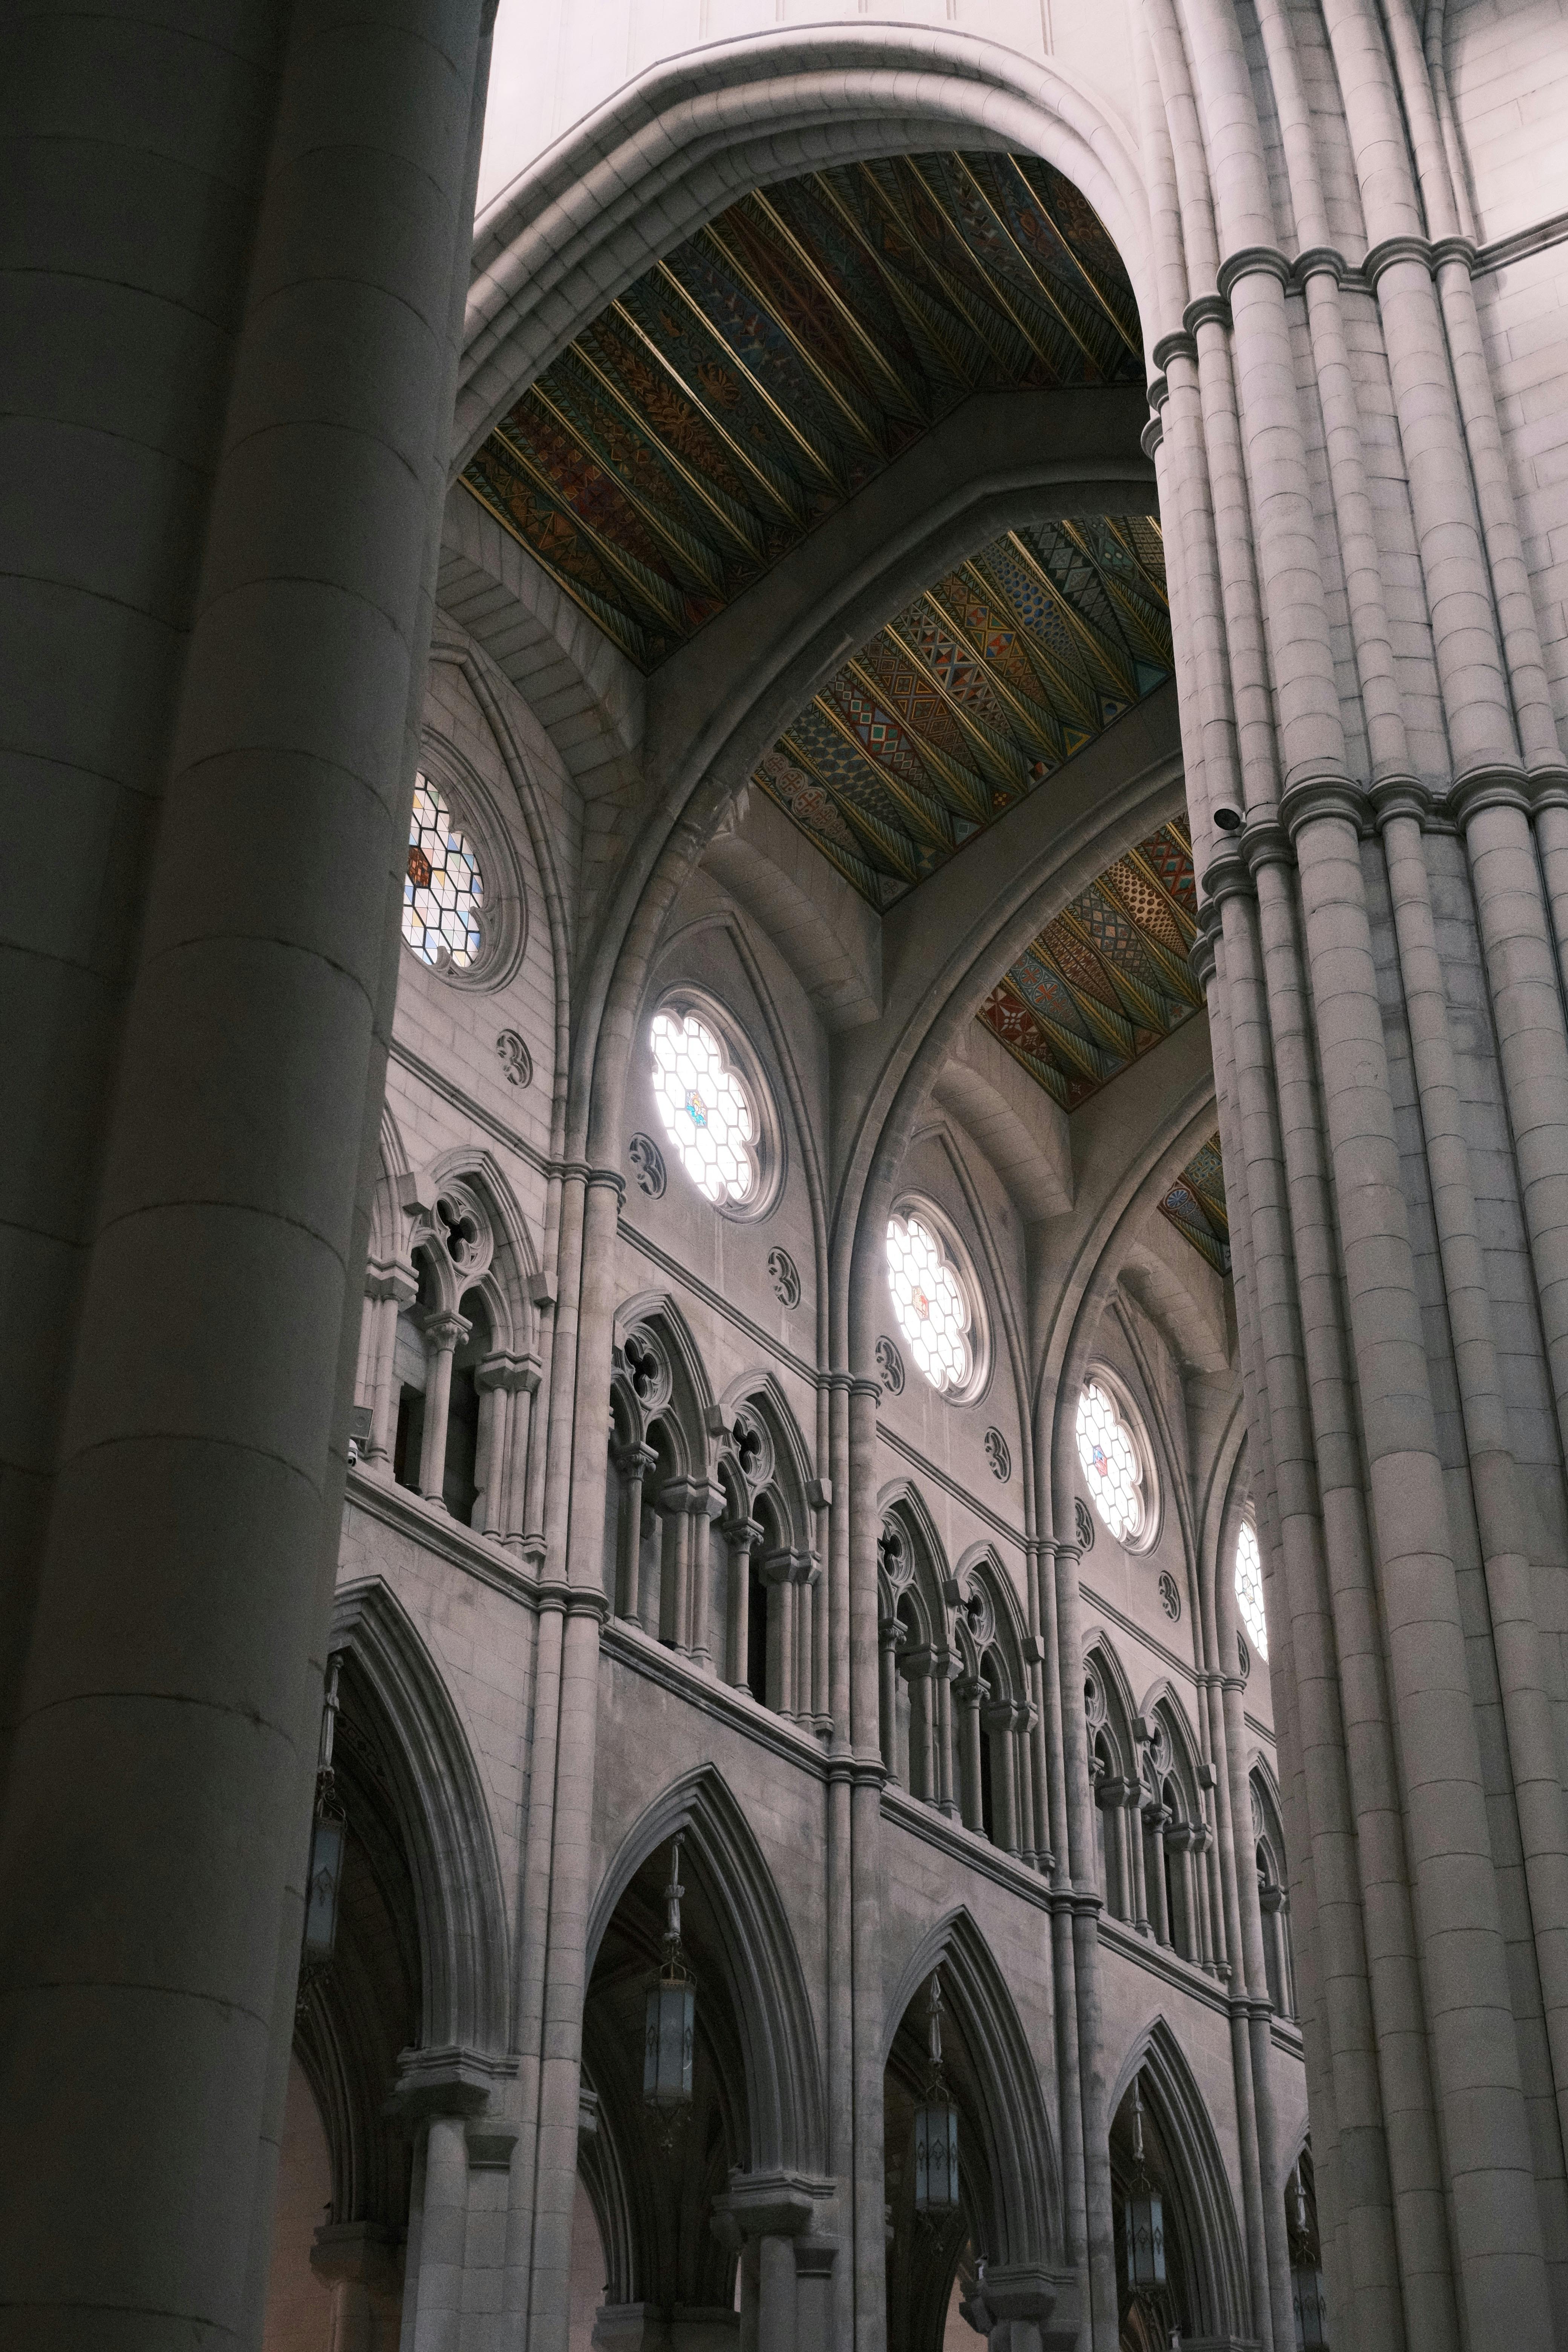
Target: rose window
<point x="1249" y="1587"/>
<point x="707" y="1115"/>
<point x="930" y="1303"/>
<point x="443" y="892"/>
<point x="1110" y="1462"/>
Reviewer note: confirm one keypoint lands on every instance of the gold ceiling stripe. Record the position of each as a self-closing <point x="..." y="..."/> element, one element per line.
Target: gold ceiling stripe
<point x="899" y="294"/>
<point x="651" y="589"/>
<point x="1046" y="298"/>
<point x="1126" y="606"/>
<point x="1077" y="258"/>
<point x="1185" y="925"/>
<point x="973" y="307"/>
<point x="937" y="828"/>
<point x="1003" y="770"/>
<point x="693" y="482"/>
<point x="700" y="557"/>
<point x="998" y="294"/>
<point x="889" y="374"/>
<point x="949" y="772"/>
<point x="1081" y="628"/>
<point x="1137" y="990"/>
<point x="615" y="625"/>
<point x="1037" y="717"/>
<point x="1046" y="665"/>
<point x="877" y="835"/>
<point x="741" y="456"/>
<point x="859" y="426"/>
<point x="1158" y="588"/>
<point x="828" y="472"/>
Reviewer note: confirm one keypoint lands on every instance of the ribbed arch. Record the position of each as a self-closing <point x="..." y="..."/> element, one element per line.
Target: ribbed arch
<point x="785" y="2103"/>
<point x="1199" y="2196"/>
<point x="445" y="1819"/>
<point x="1023" y="2212"/>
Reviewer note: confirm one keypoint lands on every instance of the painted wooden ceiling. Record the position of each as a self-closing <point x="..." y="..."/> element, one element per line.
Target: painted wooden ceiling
<point x="764" y="371"/>
<point x="1108" y="980"/>
<point x="1195" y="1206"/>
<point x="972" y="695"/>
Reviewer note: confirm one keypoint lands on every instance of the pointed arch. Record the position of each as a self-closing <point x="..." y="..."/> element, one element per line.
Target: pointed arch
<point x="1204" y="2207"/>
<point x="1026" y="2208"/>
<point x="785" y="2103"/>
<point x="683" y="1401"/>
<point x="446" y="1820"/>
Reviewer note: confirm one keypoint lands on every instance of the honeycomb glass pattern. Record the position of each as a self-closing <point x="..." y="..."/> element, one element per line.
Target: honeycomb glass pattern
<point x="1249" y="1588"/>
<point x="1110" y="1460"/>
<point x="704" y="1108"/>
<point x="929" y="1301"/>
<point x="443" y="891"/>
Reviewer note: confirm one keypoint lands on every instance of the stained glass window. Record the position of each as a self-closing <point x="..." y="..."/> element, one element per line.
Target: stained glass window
<point x="706" y="1114"/>
<point x="443" y="892"/>
<point x="930" y="1303"/>
<point x="1110" y="1464"/>
<point x="1249" y="1587"/>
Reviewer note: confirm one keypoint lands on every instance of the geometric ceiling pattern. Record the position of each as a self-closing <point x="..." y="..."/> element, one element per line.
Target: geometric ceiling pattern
<point x="1108" y="979"/>
<point x="772" y="363"/>
<point x="1195" y="1206"/>
<point x="972" y="696"/>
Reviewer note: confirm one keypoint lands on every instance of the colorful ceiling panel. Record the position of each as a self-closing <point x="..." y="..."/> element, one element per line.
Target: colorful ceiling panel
<point x="1195" y="1206"/>
<point x="972" y="696"/>
<point x="1108" y="980"/>
<point x="772" y="364"/>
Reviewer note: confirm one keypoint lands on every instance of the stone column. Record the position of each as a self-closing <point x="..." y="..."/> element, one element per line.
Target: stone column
<point x="437" y="2286"/>
<point x="353" y="2257"/>
<point x="308" y="282"/>
<point x="999" y="1723"/>
<point x="918" y="1668"/>
<point x="1156" y="1818"/>
<point x="806" y="1578"/>
<point x="1132" y="1831"/>
<point x="891" y="1639"/>
<point x="764" y="2218"/>
<point x="707" y="1502"/>
<point x="1024" y="1719"/>
<point x="944" y="1666"/>
<point x="742" y="1537"/>
<point x="518" y="1377"/>
<point x="389" y="1289"/>
<point x="971" y="1693"/>
<point x="675" y="1564"/>
<point x="777" y="1572"/>
<point x="633" y="1464"/>
<point x="444" y="1334"/>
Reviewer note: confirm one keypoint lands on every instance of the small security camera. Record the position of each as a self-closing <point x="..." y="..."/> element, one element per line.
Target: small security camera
<point x="1228" y="819"/>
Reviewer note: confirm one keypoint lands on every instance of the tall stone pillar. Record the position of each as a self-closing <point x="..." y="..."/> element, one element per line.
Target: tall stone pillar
<point x="184" y="1576"/>
<point x="1372" y="878"/>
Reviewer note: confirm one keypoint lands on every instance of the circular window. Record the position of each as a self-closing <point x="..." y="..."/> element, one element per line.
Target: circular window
<point x="935" y="1301"/>
<point x="1249" y="1587"/>
<point x="715" y="1107"/>
<point x="1116" y="1465"/>
<point x="443" y="892"/>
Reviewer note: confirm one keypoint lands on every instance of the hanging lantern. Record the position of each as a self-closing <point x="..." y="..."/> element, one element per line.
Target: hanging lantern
<point x="1308" y="2300"/>
<point x="671" y="2017"/>
<point x="1144" y="2216"/>
<point x="936" y="2126"/>
<point x="329" y="1828"/>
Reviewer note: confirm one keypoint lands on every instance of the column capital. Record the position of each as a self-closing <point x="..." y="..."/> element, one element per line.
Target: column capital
<point x="1393" y="796"/>
<point x="741" y="1534"/>
<point x="1251" y="262"/>
<point x="443" y="1329"/>
<point x="387" y="1279"/>
<point x="517" y="1374"/>
<point x="1328" y="794"/>
<point x="1486" y="788"/>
